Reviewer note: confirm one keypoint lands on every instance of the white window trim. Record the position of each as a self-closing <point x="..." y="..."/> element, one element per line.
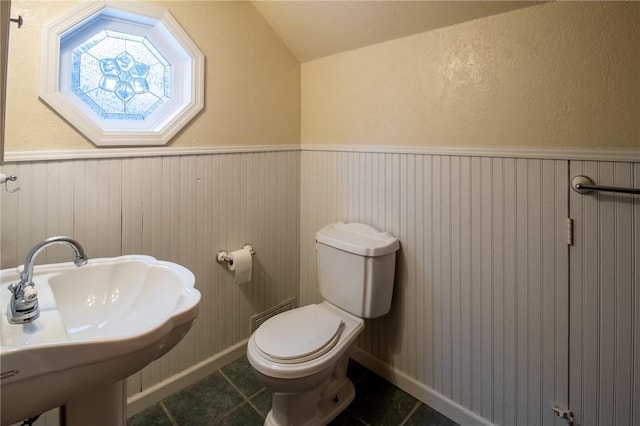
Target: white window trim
<point x="50" y="78"/>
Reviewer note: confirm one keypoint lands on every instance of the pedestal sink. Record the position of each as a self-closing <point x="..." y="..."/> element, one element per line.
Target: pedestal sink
<point x="98" y="325"/>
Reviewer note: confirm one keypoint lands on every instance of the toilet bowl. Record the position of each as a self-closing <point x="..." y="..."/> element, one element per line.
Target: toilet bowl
<point x="307" y="374"/>
<point x="302" y="355"/>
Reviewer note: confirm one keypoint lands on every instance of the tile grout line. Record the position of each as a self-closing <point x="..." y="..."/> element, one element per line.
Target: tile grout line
<point x="362" y="421"/>
<point x="247" y="398"/>
<point x="415" y="408"/>
<point x="168" y="414"/>
<point x="256" y="408"/>
<point x="242" y="395"/>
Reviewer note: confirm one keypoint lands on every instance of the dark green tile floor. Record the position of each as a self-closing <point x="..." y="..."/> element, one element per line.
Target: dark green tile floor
<point x="233" y="396"/>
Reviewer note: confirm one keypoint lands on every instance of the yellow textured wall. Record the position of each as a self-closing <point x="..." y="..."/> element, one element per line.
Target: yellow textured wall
<point x="252" y="80"/>
<point x="562" y="75"/>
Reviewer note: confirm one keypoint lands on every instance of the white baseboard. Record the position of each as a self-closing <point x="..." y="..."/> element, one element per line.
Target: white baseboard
<point x="156" y="393"/>
<point x="435" y="400"/>
<point x="425" y="394"/>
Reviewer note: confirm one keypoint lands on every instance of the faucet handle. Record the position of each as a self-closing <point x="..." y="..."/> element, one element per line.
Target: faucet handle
<point x="29" y="293"/>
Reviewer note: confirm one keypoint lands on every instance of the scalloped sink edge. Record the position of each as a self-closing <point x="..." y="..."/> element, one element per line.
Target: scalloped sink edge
<point x="98" y="323"/>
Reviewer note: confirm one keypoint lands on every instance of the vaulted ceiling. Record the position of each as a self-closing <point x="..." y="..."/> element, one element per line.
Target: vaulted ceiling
<point x="316" y="28"/>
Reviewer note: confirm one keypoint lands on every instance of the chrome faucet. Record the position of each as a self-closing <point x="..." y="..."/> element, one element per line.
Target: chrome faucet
<point x="23" y="306"/>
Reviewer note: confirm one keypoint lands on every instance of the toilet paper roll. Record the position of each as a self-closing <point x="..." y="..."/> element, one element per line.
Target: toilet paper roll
<point x="241" y="264"/>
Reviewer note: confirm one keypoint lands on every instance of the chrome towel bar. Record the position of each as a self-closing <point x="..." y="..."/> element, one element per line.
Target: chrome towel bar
<point x="584" y="185"/>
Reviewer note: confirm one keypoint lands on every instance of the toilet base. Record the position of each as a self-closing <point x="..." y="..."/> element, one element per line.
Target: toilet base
<point x="297" y="409"/>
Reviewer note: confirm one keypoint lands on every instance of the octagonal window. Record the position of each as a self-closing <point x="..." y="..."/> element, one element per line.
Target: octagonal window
<point x="125" y="75"/>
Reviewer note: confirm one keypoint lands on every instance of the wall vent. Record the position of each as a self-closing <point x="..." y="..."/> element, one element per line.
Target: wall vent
<point x="258" y="319"/>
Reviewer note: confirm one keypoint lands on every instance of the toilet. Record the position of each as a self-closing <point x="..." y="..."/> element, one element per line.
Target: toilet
<point x="302" y="355"/>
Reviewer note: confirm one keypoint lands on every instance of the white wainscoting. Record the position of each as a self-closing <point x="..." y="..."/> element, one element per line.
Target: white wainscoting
<point x="479" y="317"/>
<point x="605" y="298"/>
<point x="483" y="325"/>
<point x="177" y="208"/>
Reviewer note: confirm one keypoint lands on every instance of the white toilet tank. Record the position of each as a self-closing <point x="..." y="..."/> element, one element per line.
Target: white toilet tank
<point x="356" y="268"/>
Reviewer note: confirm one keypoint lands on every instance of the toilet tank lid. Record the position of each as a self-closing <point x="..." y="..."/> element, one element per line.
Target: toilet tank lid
<point x="358" y="238"/>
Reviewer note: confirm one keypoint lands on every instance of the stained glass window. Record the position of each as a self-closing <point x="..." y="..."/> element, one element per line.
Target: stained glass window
<point x="120" y="76"/>
<point x="123" y="73"/>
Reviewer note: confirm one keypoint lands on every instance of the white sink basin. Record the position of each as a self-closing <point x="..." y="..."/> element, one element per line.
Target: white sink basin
<point x="98" y="324"/>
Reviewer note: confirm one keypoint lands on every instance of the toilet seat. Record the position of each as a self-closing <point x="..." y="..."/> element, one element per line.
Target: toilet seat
<point x="299" y="335"/>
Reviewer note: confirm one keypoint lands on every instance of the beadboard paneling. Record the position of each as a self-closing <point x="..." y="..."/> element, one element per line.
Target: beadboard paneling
<point x="177" y="208"/>
<point x="479" y="314"/>
<point x="605" y="298"/>
<point x="481" y="306"/>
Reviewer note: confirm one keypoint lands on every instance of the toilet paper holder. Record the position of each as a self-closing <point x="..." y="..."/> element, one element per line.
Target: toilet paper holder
<point x="223" y="255"/>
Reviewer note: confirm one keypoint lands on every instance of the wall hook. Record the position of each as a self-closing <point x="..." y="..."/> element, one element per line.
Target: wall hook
<point x="5" y="179"/>
<point x="18" y="20"/>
